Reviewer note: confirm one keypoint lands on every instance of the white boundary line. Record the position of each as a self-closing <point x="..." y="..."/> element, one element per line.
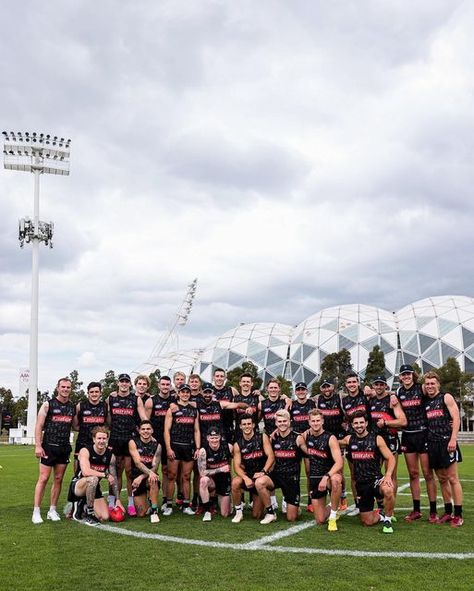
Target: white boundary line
<point x="255" y="547"/>
<point x="262" y="544"/>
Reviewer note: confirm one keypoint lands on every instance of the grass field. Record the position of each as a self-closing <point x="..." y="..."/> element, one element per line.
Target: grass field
<point x="221" y="555"/>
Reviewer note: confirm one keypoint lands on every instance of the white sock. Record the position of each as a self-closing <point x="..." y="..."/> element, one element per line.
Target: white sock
<point x="111" y="501"/>
<point x="52" y="508"/>
<point x="238" y="507"/>
<point x="130" y="502"/>
<point x="387" y="518"/>
<point x="36" y="510"/>
<point x="273" y="500"/>
<point x="333" y="514"/>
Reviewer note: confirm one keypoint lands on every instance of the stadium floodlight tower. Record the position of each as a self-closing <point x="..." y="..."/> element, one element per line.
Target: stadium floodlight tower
<point x="40" y="154"/>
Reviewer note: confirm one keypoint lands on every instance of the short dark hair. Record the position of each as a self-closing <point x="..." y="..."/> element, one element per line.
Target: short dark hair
<point x="219" y="369"/>
<point x="166" y="378"/>
<point x="246" y="375"/>
<point x="145" y="422"/>
<point x="245" y="416"/>
<point x="91" y="385"/>
<point x="359" y="414"/>
<point x="351" y="374"/>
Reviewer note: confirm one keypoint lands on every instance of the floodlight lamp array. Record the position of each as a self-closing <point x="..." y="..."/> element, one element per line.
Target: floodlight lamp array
<point x="27" y="232"/>
<point x="36" y="152"/>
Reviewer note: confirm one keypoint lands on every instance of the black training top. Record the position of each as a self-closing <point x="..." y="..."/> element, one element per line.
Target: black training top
<point x="300" y="414"/>
<point x="182" y="427"/>
<point x="412" y="403"/>
<point x="58" y="422"/>
<point x="366" y="457"/>
<point x="122" y="416"/>
<point x="269" y="408"/>
<point x="252" y="454"/>
<point x="331" y="409"/>
<point x="287" y="456"/>
<point x="90" y="416"/>
<point x="438" y="417"/>
<point x="319" y="453"/>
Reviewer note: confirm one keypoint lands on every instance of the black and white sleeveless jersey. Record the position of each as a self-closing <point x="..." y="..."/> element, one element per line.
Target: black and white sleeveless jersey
<point x="319" y="453"/>
<point x="412" y="403"/>
<point x="122" y="417"/>
<point x="438" y="418"/>
<point x="287" y="456"/>
<point x="58" y="422"/>
<point x="365" y="457"/>
<point x="252" y="454"/>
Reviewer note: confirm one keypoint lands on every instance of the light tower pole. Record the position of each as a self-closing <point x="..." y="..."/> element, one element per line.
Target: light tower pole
<point x="39" y="154"/>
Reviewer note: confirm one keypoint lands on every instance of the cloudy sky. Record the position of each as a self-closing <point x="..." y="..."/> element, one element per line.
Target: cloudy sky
<point x="291" y="155"/>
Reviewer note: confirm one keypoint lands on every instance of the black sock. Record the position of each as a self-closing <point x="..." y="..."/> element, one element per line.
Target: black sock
<point x="417" y="505"/>
<point x="270" y="510"/>
<point x="185" y="503"/>
<point x="206" y="506"/>
<point x="180" y="496"/>
<point x="433" y="507"/>
<point x="457" y="510"/>
<point x="448" y="508"/>
<point x="213" y="501"/>
<point x="164" y="501"/>
<point x="380" y="503"/>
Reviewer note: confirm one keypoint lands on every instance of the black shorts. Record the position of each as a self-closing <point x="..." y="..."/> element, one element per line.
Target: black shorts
<point x="183" y="452"/>
<point x="290" y="488"/>
<point x="392" y="441"/>
<point x="119" y="447"/>
<point x="72" y="497"/>
<point x="414" y="443"/>
<point x="57" y="454"/>
<point x="142" y="488"/>
<point x="315" y="493"/>
<point x="367" y="492"/>
<point x="440" y="457"/>
<point x="222" y="483"/>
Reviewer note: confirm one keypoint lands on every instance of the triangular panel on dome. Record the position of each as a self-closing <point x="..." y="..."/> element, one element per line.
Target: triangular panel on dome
<point x="467" y="337"/>
<point x="221" y="360"/>
<point x="384" y="327"/>
<point x="454" y="338"/>
<point x="426" y="342"/>
<point x="351" y="332"/>
<point x="369" y="344"/>
<point x="296" y="353"/>
<point x="412" y="346"/>
<point x="258" y="358"/>
<point x="445" y="326"/>
<point x="254" y="348"/>
<point x="274" y="342"/>
<point x="272" y="358"/>
<point x="235" y="359"/>
<point x="468" y="365"/>
<point x="431" y="329"/>
<point x="407" y="358"/>
<point x="465" y="314"/>
<point x="307" y="350"/>
<point x="296" y="339"/>
<point x="322" y="356"/>
<point x="203" y="366"/>
<point x="451" y="316"/>
<point x="470" y="352"/>
<point x="294" y="367"/>
<point x="426" y="367"/>
<point x="345" y="343"/>
<point x="422" y="321"/>
<point x="406" y="336"/>
<point x="309" y="376"/>
<point x="277" y="369"/>
<point x="385" y="346"/>
<point x="447" y="351"/>
<point x="240" y="348"/>
<point x="432" y="355"/>
<point x="330" y="344"/>
<point x="332" y="325"/>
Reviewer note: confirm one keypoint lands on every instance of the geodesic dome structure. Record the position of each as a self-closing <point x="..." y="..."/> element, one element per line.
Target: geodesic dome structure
<point x="433" y="329"/>
<point x="357" y="328"/>
<point x="264" y="344"/>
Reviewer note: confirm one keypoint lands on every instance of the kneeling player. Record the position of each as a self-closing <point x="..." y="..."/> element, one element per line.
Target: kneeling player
<point x="286" y="471"/>
<point x="253" y="459"/>
<point x="146" y="455"/>
<point x="96" y="461"/>
<point x="367" y="450"/>
<point x="325" y="469"/>
<point x="214" y="471"/>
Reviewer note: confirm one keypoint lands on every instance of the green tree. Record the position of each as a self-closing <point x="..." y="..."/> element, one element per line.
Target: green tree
<point x="109" y="383"/>
<point x="375" y="365"/>
<point x="77" y="392"/>
<point x="285" y="386"/>
<point x="233" y="376"/>
<point x="457" y="383"/>
<point x="334" y="366"/>
<point x="154" y="379"/>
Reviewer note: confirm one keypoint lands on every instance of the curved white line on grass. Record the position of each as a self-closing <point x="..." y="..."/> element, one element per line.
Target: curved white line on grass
<point x="255" y="547"/>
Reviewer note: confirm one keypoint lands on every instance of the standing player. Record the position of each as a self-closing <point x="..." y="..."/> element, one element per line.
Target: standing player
<point x="250" y="398"/>
<point x="286" y="470"/>
<point x="179" y="379"/>
<point x="142" y="384"/>
<point x="96" y="461"/>
<point x="122" y="408"/>
<point x="269" y="406"/>
<point x="414" y="443"/>
<point x="214" y="471"/>
<point x="155" y="410"/>
<point x="224" y="392"/>
<point x="325" y="469"/>
<point x="387" y="417"/>
<point x="52" y="446"/>
<point x="366" y="450"/>
<point x="211" y="411"/>
<point x="145" y="452"/>
<point x="300" y="409"/>
<point x="182" y="439"/>
<point x="354" y="401"/>
<point x="90" y="413"/>
<point x="253" y="460"/>
<point x="443" y="418"/>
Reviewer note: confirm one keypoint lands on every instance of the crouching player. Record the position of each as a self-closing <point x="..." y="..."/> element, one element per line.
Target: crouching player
<point x="367" y="450"/>
<point x="214" y="471"/>
<point x="145" y="452"/>
<point x="325" y="469"/>
<point x="96" y="462"/>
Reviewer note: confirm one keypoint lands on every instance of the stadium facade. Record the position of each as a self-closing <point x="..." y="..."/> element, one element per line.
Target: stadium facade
<point x="426" y="332"/>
